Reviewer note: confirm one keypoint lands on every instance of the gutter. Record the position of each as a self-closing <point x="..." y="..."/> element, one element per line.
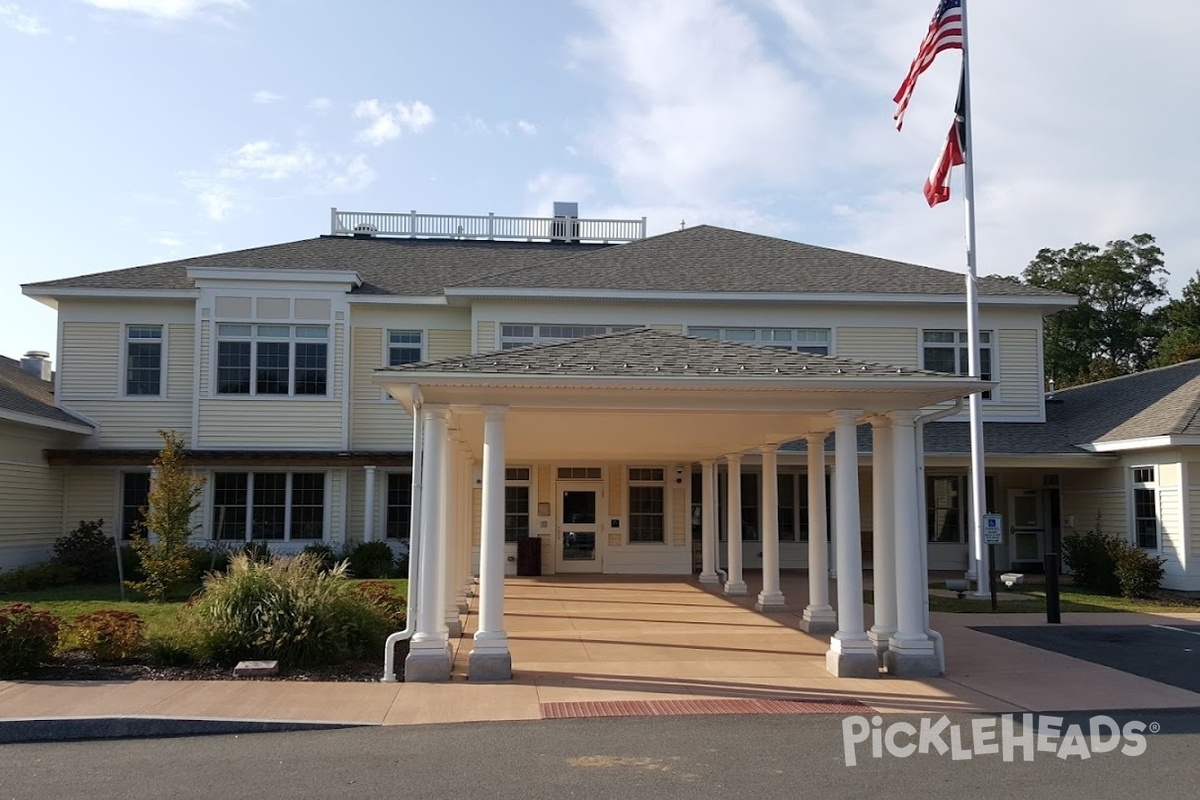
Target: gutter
<point x="414" y="545"/>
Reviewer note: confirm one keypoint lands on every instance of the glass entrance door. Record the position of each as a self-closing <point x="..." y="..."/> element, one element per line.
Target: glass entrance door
<point x="1027" y="525"/>
<point x="579" y="528"/>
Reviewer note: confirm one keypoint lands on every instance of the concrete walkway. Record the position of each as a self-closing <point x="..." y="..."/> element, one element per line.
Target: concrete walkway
<point x="587" y="646"/>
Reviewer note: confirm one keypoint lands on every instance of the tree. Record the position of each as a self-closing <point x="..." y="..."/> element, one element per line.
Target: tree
<point x="1110" y="332"/>
<point x="1180" y="321"/>
<point x="174" y="497"/>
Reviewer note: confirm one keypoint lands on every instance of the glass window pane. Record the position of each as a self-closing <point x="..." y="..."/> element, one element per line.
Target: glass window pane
<point x="270" y="505"/>
<point x="940" y="359"/>
<point x="273" y="367"/>
<point x="135" y="497"/>
<point x="741" y="334"/>
<point x="399" y="506"/>
<point x="241" y="331"/>
<point x="646" y="514"/>
<point x="229" y="505"/>
<point x="707" y="333"/>
<point x="233" y="367"/>
<point x="312" y="332"/>
<point x="308" y="505"/>
<point x="516" y="513"/>
<point x="274" y="331"/>
<point x="311" y="365"/>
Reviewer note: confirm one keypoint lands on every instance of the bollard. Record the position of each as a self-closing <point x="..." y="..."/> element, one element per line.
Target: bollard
<point x="1052" y="611"/>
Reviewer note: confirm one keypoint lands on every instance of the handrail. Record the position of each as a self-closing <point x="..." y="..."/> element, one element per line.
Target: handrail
<point x="489" y="227"/>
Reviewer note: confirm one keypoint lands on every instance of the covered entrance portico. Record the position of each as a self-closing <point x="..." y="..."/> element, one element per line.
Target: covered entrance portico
<point x="654" y="403"/>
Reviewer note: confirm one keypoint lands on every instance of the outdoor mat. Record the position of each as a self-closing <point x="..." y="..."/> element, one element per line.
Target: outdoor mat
<point x="675" y="708"/>
<point x="1167" y="653"/>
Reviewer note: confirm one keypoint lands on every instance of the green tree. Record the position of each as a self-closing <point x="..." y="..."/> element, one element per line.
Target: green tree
<point x="174" y="497"/>
<point x="1111" y="332"/>
<point x="1180" y="322"/>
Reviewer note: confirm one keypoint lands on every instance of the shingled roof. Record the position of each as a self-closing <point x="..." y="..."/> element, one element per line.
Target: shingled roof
<point x="699" y="259"/>
<point x="27" y="394"/>
<point x="647" y="353"/>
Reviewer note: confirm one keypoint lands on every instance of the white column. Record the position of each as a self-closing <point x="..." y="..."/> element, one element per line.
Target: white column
<point x="735" y="583"/>
<point x="883" y="540"/>
<point x="850" y="651"/>
<point x="708" y="522"/>
<point x="770" y="598"/>
<point x="450" y="513"/>
<point x="910" y="650"/>
<point x="369" y="504"/>
<point x="490" y="660"/>
<point x="463" y="576"/>
<point x="429" y="650"/>
<point x="818" y="615"/>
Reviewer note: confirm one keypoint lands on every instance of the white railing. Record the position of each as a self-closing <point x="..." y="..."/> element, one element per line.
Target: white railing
<point x="458" y="226"/>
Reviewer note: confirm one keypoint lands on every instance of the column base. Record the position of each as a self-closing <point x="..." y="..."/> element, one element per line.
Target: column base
<point x="463" y="607"/>
<point x="454" y="628"/>
<point x="852" y="664"/>
<point x="770" y="603"/>
<point x="489" y="666"/>
<point x="735" y="587"/>
<point x="427" y="666"/>
<point x="912" y="665"/>
<point x="880" y="639"/>
<point x="819" y="619"/>
<point x="710" y="577"/>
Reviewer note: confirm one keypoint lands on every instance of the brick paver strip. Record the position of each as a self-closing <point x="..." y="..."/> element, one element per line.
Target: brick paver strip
<point x="671" y="708"/>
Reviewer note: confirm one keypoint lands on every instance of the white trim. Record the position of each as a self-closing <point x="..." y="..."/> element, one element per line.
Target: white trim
<point x="207" y="532"/>
<point x="254" y="339"/>
<point x="1131" y="517"/>
<point x="397" y="299"/>
<point x="274" y="275"/>
<point x="992" y="346"/>
<point x="123" y="361"/>
<point x="1144" y="443"/>
<point x="74" y="291"/>
<point x="42" y="422"/>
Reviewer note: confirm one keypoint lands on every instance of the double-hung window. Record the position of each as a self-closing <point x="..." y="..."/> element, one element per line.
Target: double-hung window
<point x="521" y="335"/>
<point x="272" y="359"/>
<point x="949" y="351"/>
<point x="270" y="506"/>
<point x="405" y="347"/>
<point x="516" y="503"/>
<point x="399" y="505"/>
<point x="647" y="505"/>
<point x="796" y="340"/>
<point x="1145" y="507"/>
<point x="143" y="359"/>
<point x="135" y="499"/>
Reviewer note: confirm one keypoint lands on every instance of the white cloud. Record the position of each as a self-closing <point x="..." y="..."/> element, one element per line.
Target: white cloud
<point x="264" y="160"/>
<point x="265" y="97"/>
<point x="351" y="176"/>
<point x="526" y="127"/>
<point x="388" y="122"/>
<point x="320" y="104"/>
<point x="167" y="239"/>
<point x="12" y="17"/>
<point x="170" y="9"/>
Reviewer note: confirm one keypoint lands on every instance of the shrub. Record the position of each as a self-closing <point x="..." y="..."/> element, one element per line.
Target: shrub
<point x="36" y="577"/>
<point x="109" y="635"/>
<point x="383" y="596"/>
<point x="1092" y="558"/>
<point x="288" y="609"/>
<point x="259" y="552"/>
<point x="323" y="553"/>
<point x="372" y="560"/>
<point x="88" y="551"/>
<point x="27" y="638"/>
<point x="1138" y="573"/>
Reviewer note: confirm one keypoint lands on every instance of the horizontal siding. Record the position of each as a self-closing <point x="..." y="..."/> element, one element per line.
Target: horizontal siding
<point x="91" y="494"/>
<point x="336" y="364"/>
<point x="485" y="337"/>
<point x="203" y="358"/>
<point x="1019" y="374"/>
<point x="335" y="498"/>
<point x="382" y="425"/>
<point x="295" y="423"/>
<point x="896" y="346"/>
<point x="1194" y="511"/>
<point x="31" y="506"/>
<point x="134" y="423"/>
<point x="1173" y="542"/>
<point x="366" y="356"/>
<point x="1096" y="509"/>
<point x="89" y="359"/>
<point x="356" y="490"/>
<point x="448" y="344"/>
<point x="679" y="516"/>
<point x="181" y="360"/>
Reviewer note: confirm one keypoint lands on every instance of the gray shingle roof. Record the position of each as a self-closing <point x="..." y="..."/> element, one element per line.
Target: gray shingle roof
<point x="642" y="352"/>
<point x="699" y="259"/>
<point x="28" y="394"/>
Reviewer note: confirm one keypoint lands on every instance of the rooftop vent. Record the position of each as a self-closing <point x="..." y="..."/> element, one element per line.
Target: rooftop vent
<point x="37" y="362"/>
<point x="365" y="230"/>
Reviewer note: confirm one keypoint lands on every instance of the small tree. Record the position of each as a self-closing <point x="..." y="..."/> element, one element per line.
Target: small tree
<point x="174" y="497"/>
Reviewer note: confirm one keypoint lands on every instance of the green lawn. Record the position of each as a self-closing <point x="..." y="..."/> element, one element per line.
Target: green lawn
<point x="1070" y="600"/>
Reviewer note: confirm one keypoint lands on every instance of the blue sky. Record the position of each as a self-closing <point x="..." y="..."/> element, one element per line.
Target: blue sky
<point x="139" y="131"/>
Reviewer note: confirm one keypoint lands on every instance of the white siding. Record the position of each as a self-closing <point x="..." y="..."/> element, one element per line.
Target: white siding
<point x="485" y="336"/>
<point x="89" y="360"/>
<point x="896" y="346"/>
<point x="181" y="360"/>
<point x="31" y="496"/>
<point x="92" y="493"/>
<point x="248" y="422"/>
<point x="134" y="422"/>
<point x="1018" y="371"/>
<point x="448" y="343"/>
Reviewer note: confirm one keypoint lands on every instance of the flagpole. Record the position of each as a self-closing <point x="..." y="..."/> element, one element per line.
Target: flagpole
<point x="979" y="556"/>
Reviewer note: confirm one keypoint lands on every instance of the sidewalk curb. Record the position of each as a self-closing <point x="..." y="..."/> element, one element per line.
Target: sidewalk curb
<point x="57" y="729"/>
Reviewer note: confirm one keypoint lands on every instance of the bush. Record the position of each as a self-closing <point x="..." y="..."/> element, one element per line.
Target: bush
<point x="36" y="577"/>
<point x="1139" y="574"/>
<point x="323" y="553"/>
<point x="259" y="552"/>
<point x="1092" y="558"/>
<point x="372" y="560"/>
<point x="87" y="550"/>
<point x="27" y="638"/>
<point x="288" y="609"/>
<point x="383" y="596"/>
<point x="108" y="635"/>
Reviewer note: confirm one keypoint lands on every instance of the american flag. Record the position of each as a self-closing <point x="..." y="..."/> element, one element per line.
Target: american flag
<point x="937" y="185"/>
<point x="945" y="33"/>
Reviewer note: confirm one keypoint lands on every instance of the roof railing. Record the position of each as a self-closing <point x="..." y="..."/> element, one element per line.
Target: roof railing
<point x="488" y="228"/>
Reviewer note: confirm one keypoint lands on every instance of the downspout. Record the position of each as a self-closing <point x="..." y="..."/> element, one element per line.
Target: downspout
<point x="414" y="545"/>
<point x="939" y="646"/>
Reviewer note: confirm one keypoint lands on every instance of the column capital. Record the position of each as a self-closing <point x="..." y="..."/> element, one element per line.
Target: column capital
<point x="370" y="468"/>
<point x="708" y="462"/>
<point x="733" y="458"/>
<point x="904" y="419"/>
<point x="843" y="415"/>
<point x="768" y="447"/>
<point x="436" y="411"/>
<point x="881" y="421"/>
<point x="816" y="437"/>
<point x="494" y="413"/>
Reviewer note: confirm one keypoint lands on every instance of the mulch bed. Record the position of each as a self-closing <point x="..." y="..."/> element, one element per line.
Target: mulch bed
<point x="80" y="666"/>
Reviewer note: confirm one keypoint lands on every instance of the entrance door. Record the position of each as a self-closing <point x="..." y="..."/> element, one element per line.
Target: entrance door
<point x="1027" y="524"/>
<point x="579" y="547"/>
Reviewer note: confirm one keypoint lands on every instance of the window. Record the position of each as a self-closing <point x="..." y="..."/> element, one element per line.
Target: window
<point x="280" y="506"/>
<point x="516" y="503"/>
<point x="796" y="340"/>
<point x="949" y="351"/>
<point x="1145" y="507"/>
<point x="405" y="347"/>
<point x="579" y="473"/>
<point x="398" y="524"/>
<point x="750" y="503"/>
<point x="143" y="359"/>
<point x="272" y="359"/>
<point x="523" y="335"/>
<point x="135" y="498"/>
<point x="647" y="505"/>
<point x="948" y="508"/>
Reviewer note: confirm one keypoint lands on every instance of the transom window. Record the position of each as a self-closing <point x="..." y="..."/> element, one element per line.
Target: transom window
<point x="271" y="506"/>
<point x="405" y="347"/>
<point x="516" y="503"/>
<point x="797" y="340"/>
<point x="647" y="505"/>
<point x="579" y="473"/>
<point x="1145" y="507"/>
<point x="949" y="351"/>
<point x="272" y="359"/>
<point x="143" y="359"/>
<point x="522" y="335"/>
<point x="398" y="523"/>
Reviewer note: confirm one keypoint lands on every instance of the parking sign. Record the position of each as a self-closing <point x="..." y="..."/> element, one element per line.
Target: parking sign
<point x="993" y="529"/>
